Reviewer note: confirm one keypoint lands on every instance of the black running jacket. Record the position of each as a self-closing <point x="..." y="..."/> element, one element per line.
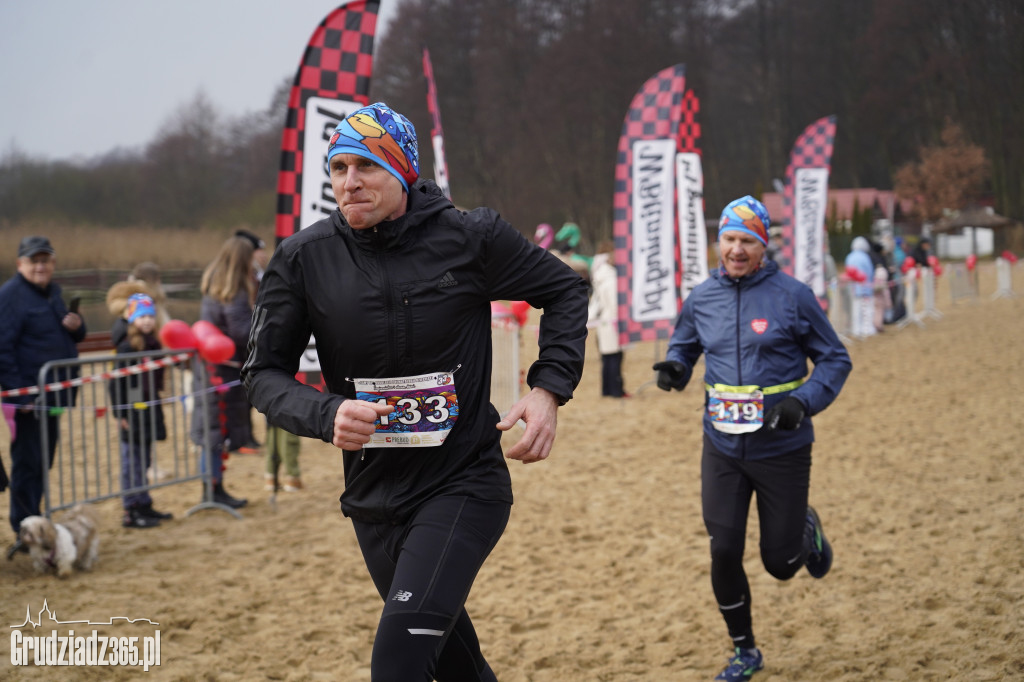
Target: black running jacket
<point x="408" y="297"/>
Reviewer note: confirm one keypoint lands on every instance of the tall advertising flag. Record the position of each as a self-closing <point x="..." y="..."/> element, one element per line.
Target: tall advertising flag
<point x="693" y="236"/>
<point x="436" y="135"/>
<point x="333" y="80"/>
<point x="645" y="209"/>
<point x="804" y="202"/>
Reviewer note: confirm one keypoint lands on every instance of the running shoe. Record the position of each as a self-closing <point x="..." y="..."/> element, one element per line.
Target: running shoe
<point x="743" y="665"/>
<point x="819" y="560"/>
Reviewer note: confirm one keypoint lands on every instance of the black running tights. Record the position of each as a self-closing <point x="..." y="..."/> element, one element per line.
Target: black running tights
<point x="423" y="570"/>
<point x="727" y="485"/>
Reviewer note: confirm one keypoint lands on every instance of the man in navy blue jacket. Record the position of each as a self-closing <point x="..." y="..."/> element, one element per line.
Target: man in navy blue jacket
<point x="757" y="328"/>
<point x="37" y="328"/>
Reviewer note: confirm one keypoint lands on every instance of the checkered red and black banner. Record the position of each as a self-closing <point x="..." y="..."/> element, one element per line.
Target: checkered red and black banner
<point x="689" y="129"/>
<point x="813" y="149"/>
<point x="691" y="232"/>
<point x="436" y="133"/>
<point x="337" y="64"/>
<point x="656" y="113"/>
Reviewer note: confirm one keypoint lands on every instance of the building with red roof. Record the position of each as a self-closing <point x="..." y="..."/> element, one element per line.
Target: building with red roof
<point x="842" y="204"/>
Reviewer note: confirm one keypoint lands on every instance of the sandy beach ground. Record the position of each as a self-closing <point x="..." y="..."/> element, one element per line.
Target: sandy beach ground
<point x="602" y="574"/>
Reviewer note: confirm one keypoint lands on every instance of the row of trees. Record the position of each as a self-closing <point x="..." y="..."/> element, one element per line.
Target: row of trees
<point x="533" y="94"/>
<point x="200" y="169"/>
<point x="540" y="88"/>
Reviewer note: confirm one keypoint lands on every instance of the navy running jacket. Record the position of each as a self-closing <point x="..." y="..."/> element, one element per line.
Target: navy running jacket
<point x="761" y="330"/>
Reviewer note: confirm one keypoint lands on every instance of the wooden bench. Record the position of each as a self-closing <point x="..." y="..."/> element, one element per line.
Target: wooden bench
<point x="96" y="342"/>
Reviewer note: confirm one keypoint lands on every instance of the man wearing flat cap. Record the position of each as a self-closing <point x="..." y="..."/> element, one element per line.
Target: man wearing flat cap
<point x="396" y="286"/>
<point x="37" y="328"/>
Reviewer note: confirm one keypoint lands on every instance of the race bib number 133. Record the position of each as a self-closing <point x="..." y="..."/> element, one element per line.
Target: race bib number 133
<point x="426" y="409"/>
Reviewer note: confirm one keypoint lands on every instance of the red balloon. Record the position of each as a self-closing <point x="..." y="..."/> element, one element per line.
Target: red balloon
<point x="521" y="309"/>
<point x="908" y="263"/>
<point x="937" y="269"/>
<point x="217" y="349"/>
<point x="176" y="335"/>
<point x="855" y="274"/>
<point x="1010" y="256"/>
<point x="933" y="261"/>
<point x="214" y="346"/>
<point x="972" y="260"/>
<point x="203" y="328"/>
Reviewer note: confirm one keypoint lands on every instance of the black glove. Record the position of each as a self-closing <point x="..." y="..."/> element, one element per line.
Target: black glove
<point x="785" y="415"/>
<point x="672" y="375"/>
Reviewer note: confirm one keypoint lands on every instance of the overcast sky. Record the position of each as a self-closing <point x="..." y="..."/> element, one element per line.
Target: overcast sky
<point x="80" y="78"/>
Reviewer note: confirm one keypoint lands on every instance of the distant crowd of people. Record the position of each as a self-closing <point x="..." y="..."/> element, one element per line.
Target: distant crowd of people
<point x="875" y="271"/>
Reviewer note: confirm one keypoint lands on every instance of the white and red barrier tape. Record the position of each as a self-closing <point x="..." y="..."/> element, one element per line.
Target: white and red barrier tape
<point x="105" y="376"/>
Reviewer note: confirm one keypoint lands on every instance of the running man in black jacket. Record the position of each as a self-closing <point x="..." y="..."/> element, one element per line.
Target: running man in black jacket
<point x="396" y="288"/>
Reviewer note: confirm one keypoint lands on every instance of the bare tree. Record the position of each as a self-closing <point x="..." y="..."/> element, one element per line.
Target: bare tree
<point x="949" y="176"/>
<point x="183" y="164"/>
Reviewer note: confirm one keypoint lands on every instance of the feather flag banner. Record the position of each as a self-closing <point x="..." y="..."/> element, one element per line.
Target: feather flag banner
<point x="804" y="204"/>
<point x="332" y="81"/>
<point x="436" y="134"/>
<point x="645" y="207"/>
<point x="693" y="235"/>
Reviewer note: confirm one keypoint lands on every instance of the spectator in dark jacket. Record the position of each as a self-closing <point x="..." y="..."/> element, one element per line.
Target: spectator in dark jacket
<point x="36" y="328"/>
<point x="922" y="252"/>
<point x="228" y="287"/>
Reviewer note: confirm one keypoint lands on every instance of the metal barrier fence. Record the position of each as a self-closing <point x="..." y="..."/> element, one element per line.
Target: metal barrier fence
<point x="928" y="294"/>
<point x="963" y="283"/>
<point x="850" y="315"/>
<point x="1004" y="277"/>
<point x="910" y="286"/>
<point x="840" y="309"/>
<point x="90" y="398"/>
<point x="89" y="401"/>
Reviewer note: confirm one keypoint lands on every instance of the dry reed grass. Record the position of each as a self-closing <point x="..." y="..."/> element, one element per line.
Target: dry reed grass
<point x="121" y="248"/>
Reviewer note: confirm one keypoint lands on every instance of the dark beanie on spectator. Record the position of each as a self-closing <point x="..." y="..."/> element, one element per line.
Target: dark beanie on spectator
<point x="257" y="243"/>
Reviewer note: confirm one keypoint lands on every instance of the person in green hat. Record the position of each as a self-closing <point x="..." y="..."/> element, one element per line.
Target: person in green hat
<point x="567" y="240"/>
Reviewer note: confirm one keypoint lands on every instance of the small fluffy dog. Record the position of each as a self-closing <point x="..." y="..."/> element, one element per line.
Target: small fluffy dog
<point x="60" y="547"/>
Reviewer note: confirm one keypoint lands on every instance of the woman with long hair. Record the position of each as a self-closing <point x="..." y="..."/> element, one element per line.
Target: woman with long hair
<point x="229" y="289"/>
